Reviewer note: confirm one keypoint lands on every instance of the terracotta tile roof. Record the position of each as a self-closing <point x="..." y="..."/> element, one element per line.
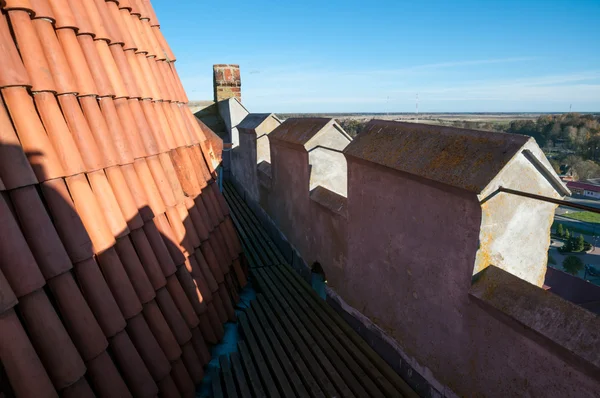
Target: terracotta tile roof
<point x="118" y="258"/>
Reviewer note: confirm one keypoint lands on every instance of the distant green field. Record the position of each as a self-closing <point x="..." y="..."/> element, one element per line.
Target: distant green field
<point x="586" y="216"/>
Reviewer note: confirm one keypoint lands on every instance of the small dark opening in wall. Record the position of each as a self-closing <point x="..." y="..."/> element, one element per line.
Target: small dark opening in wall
<point x="318" y="280"/>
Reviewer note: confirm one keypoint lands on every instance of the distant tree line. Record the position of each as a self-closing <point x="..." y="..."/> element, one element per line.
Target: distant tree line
<point x="571" y="141"/>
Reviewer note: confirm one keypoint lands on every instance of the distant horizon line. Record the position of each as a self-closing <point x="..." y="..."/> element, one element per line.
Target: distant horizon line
<point x="435" y="113"/>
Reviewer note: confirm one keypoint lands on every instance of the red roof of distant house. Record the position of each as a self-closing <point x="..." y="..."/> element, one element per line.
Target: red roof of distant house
<point x="583" y="185"/>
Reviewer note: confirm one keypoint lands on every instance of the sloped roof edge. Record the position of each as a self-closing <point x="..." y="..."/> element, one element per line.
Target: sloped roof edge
<point x="466" y="159"/>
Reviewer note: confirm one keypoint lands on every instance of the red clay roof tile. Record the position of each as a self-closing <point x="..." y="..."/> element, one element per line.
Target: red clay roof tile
<point x="112" y="71"/>
<point x="192" y="362"/>
<point x="160" y="249"/>
<point x="227" y="303"/>
<point x="211" y="260"/>
<point x="99" y="130"/>
<point x="191" y="235"/>
<point x="133" y="266"/>
<point x="77" y="62"/>
<point x="119" y="283"/>
<point x="168" y="388"/>
<point x="175" y="250"/>
<point x="125" y="71"/>
<point x="64" y="15"/>
<point x="229" y="240"/>
<point x="78" y="125"/>
<point x="125" y="4"/>
<point x="163" y="66"/>
<point x="171" y="175"/>
<point x="155" y="200"/>
<point x="148" y="258"/>
<point x="32" y="135"/>
<point x="80" y="388"/>
<point x="181" y="301"/>
<point x="179" y="231"/>
<point x="139" y="76"/>
<point x="92" y="57"/>
<point x="178" y="136"/>
<point x="174" y="319"/>
<point x="206" y="330"/>
<point x="160" y="178"/>
<point x="98" y="25"/>
<point x="182" y="379"/>
<point x="91" y="213"/>
<point x="105" y="378"/>
<point x="59" y="134"/>
<point x="7" y="298"/>
<point x="128" y="22"/>
<point x="196" y="219"/>
<point x="214" y="201"/>
<point x="130" y="128"/>
<point x="206" y="272"/>
<point x="214" y="319"/>
<point x="210" y="209"/>
<point x="83" y="23"/>
<point x="219" y="306"/>
<point x="77" y="317"/>
<point x="15" y="170"/>
<point x="13" y="72"/>
<point x="144" y="128"/>
<point x="25" y="371"/>
<point x="124" y="197"/>
<point x="50" y="339"/>
<point x="39" y="232"/>
<point x="200" y="346"/>
<point x="110" y="189"/>
<point x="113" y="30"/>
<point x="42" y="9"/>
<point x="120" y="27"/>
<point x="18" y="264"/>
<point x="148" y="348"/>
<point x="163" y="43"/>
<point x="132" y="366"/>
<point x="99" y="297"/>
<point x="115" y="129"/>
<point x="137" y="191"/>
<point x="161" y="330"/>
<point x="143" y="43"/>
<point x="66" y="220"/>
<point x="152" y="40"/>
<point x="193" y="268"/>
<point x="191" y="290"/>
<point x="31" y="51"/>
<point x="151" y="13"/>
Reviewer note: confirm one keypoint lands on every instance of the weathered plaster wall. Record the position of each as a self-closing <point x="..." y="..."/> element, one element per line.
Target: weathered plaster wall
<point x="289" y="197"/>
<point x="413" y="282"/>
<point x="329" y="237"/>
<point x="401" y="250"/>
<point x="244" y="168"/>
<point x="328" y="169"/>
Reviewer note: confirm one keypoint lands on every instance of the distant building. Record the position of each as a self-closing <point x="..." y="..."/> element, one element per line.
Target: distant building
<point x="585" y="189"/>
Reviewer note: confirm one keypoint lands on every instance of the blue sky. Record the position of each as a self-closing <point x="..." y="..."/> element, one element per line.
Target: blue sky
<point x="375" y="56"/>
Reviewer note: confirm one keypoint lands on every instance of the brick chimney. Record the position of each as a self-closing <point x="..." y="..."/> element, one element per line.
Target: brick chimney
<point x="227" y="82"/>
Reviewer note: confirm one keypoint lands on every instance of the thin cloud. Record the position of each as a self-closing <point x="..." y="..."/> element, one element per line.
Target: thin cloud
<point x="450" y="64"/>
